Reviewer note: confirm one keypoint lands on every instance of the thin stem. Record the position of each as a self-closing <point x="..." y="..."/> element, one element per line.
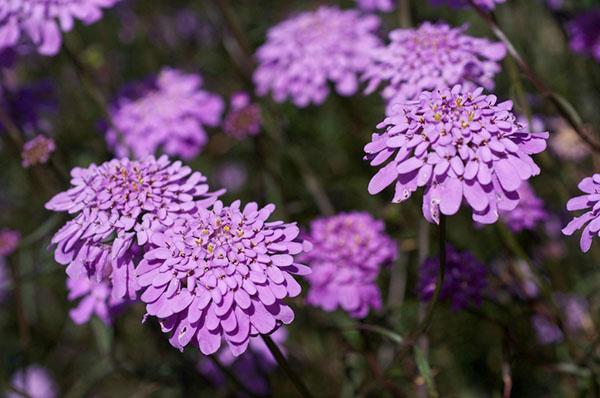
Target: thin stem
<point x="404" y="14"/>
<point x="227" y="372"/>
<point x="283" y="364"/>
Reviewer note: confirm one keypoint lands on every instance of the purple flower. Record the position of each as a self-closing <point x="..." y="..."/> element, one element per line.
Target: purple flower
<point x="9" y="240"/>
<point x="565" y="142"/>
<point x="486" y="4"/>
<point x="35" y="381"/>
<point x="37" y="151"/>
<point x="376" y="5"/>
<point x="96" y="299"/>
<point x="529" y="212"/>
<point x="576" y="312"/>
<point x="29" y="104"/>
<point x="349" y="250"/>
<point x="584" y="32"/>
<point x="464" y="281"/>
<point x="455" y="143"/>
<point x="41" y="21"/>
<point x="433" y="56"/>
<point x="546" y="331"/>
<point x="590" y="219"/>
<point x="244" y="117"/>
<point x="232" y="176"/>
<point x="305" y="52"/>
<point x="169" y="112"/>
<point x="117" y="206"/>
<point x="222" y="275"/>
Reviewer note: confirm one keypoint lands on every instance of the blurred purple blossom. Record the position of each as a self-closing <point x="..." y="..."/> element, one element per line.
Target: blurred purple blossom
<point x="4" y="278"/>
<point x="232" y="176"/>
<point x="584" y="33"/>
<point x="349" y="251"/>
<point x="169" y="112"/>
<point x="244" y="117"/>
<point x="95" y="299"/>
<point x="565" y="142"/>
<point x="35" y="381"/>
<point x="590" y="219"/>
<point x="28" y="104"/>
<point x="576" y="312"/>
<point x="546" y="331"/>
<point x="376" y="5"/>
<point x="486" y="4"/>
<point x="529" y="212"/>
<point x="9" y="241"/>
<point x="309" y="50"/>
<point x="37" y="151"/>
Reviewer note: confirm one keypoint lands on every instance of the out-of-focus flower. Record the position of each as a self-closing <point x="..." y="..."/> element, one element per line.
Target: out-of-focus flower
<point x="42" y="21"/>
<point x="584" y="32"/>
<point x="9" y="240"/>
<point x="433" y="56"/>
<point x="117" y="206"/>
<point x="546" y="331"/>
<point x="306" y="52"/>
<point x="529" y="212"/>
<point x="252" y="367"/>
<point x="590" y="219"/>
<point x="232" y="176"/>
<point x="244" y="117"/>
<point x="37" y="151"/>
<point x="464" y="281"/>
<point x="169" y="112"/>
<point x="486" y="4"/>
<point x="222" y="275"/>
<point x="455" y="143"/>
<point x="555" y="4"/>
<point x="28" y="104"/>
<point x="376" y="5"/>
<point x="576" y="312"/>
<point x="95" y="299"/>
<point x="565" y="142"/>
<point x="349" y="251"/>
<point x="516" y="278"/>
<point x="35" y="381"/>
<point x="4" y="278"/>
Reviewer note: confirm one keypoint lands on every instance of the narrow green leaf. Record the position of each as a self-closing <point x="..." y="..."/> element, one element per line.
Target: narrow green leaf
<point x="425" y="371"/>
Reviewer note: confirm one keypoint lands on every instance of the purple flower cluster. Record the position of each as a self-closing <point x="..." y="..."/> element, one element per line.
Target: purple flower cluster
<point x="464" y="281"/>
<point x="348" y="253"/>
<point x="117" y="206"/>
<point x="565" y="142"/>
<point x="222" y="275"/>
<point x="455" y="143"/>
<point x="590" y="219"/>
<point x="95" y="299"/>
<point x="486" y="4"/>
<point x="433" y="56"/>
<point x="41" y="21"/>
<point x="29" y="104"/>
<point x="546" y="331"/>
<point x="305" y="52"/>
<point x="9" y="240"/>
<point x="529" y="212"/>
<point x="584" y="32"/>
<point x="169" y="112"/>
<point x="376" y="5"/>
<point x="35" y="381"/>
<point x="37" y="151"/>
<point x="244" y="117"/>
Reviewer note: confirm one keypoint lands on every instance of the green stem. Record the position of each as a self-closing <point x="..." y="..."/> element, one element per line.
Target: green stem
<point x="283" y="364"/>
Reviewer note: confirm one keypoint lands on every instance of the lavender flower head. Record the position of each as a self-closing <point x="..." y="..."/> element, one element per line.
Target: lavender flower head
<point x="349" y="250"/>
<point x="9" y="240"/>
<point x="576" y="312"/>
<point x="584" y="32"/>
<point x="169" y="112"/>
<point x="305" y="52"/>
<point x="222" y="275"/>
<point x="433" y="56"/>
<point x="37" y="151"/>
<point x="95" y="299"/>
<point x="565" y="142"/>
<point x="116" y="207"/>
<point x="455" y="143"/>
<point x="376" y="5"/>
<point x="546" y="331"/>
<point x="485" y="4"/>
<point x="232" y="176"/>
<point x="41" y="21"/>
<point x="244" y="117"/>
<point x="464" y="281"/>
<point x="529" y="212"/>
<point x="590" y="219"/>
<point x="35" y="381"/>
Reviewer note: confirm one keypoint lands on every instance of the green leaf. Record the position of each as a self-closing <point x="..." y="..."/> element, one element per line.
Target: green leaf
<point x="425" y="371"/>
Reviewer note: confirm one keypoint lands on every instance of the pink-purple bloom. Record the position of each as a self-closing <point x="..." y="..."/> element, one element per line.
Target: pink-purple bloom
<point x="35" y="381"/>
<point x="305" y="53"/>
<point x="222" y="275"/>
<point x="95" y="298"/>
<point x="244" y="117"/>
<point x="169" y="112"/>
<point x="589" y="202"/>
<point x="349" y="250"/>
<point x="486" y="4"/>
<point x="565" y="143"/>
<point x="464" y="281"/>
<point x="116" y="208"/>
<point x="37" y="151"/>
<point x="546" y="331"/>
<point x="376" y="5"/>
<point x="9" y="241"/>
<point x="455" y="144"/>
<point x="529" y="212"/>
<point x="584" y="33"/>
<point x="430" y="57"/>
<point x="42" y="22"/>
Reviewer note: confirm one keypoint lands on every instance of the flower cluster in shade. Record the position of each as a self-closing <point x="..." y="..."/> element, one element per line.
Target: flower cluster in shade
<point x="222" y="275"/>
<point x="565" y="143"/>
<point x="376" y="5"/>
<point x="485" y="4"/>
<point x="529" y="212"/>
<point x="430" y="57"/>
<point x="455" y="144"/>
<point x="244" y="117"/>
<point x="37" y="151"/>
<point x="9" y="240"/>
<point x="41" y="22"/>
<point x="465" y="279"/>
<point x="28" y="105"/>
<point x="35" y="381"/>
<point x="349" y="249"/>
<point x="305" y="53"/>
<point x="584" y="33"/>
<point x="116" y="207"/>
<point x="546" y="331"/>
<point x="94" y="298"/>
<point x="251" y="368"/>
<point x="589" y="220"/>
<point x="576" y="313"/>
<point x="232" y="176"/>
<point x="169" y="112"/>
